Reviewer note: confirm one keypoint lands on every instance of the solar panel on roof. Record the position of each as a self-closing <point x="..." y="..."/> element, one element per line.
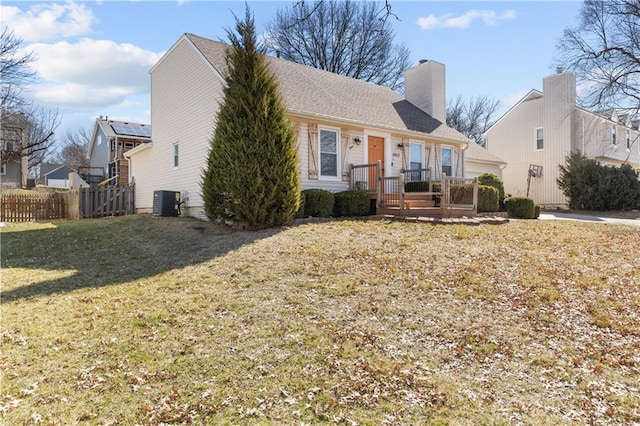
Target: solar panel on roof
<point x="131" y="129"/>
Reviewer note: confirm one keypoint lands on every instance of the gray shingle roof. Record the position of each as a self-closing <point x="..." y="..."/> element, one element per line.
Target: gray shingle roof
<point x="322" y="94"/>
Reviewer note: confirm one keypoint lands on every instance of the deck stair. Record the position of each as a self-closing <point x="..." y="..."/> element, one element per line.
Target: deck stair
<point x="413" y="200"/>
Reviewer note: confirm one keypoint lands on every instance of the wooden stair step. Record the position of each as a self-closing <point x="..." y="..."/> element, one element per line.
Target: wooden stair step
<point x="410" y="204"/>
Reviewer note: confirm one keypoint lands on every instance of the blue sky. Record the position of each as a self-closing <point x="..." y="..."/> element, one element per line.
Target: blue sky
<point x="94" y="57"/>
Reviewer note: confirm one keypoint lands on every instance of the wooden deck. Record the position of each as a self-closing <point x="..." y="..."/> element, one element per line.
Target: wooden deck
<point x="426" y="212"/>
<point x="422" y="204"/>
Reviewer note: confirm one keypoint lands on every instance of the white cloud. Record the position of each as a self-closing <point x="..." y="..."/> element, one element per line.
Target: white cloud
<point x="90" y="73"/>
<point x="489" y="17"/>
<point x="98" y="63"/>
<point x="49" y="21"/>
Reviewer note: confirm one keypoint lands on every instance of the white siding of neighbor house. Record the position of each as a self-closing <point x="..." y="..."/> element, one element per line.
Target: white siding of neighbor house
<point x="594" y="140"/>
<point x="513" y="140"/>
<point x="185" y="96"/>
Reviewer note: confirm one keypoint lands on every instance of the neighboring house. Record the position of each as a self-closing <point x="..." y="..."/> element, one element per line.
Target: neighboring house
<point x="478" y="160"/>
<point x="55" y="175"/>
<point x="535" y="136"/>
<point x="110" y="139"/>
<point x="14" y="169"/>
<point x="339" y="121"/>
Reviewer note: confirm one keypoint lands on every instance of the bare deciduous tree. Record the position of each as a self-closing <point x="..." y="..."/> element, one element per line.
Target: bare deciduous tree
<point x="26" y="128"/>
<point x="350" y="38"/>
<point x="15" y="71"/>
<point x="73" y="152"/>
<point x="472" y="118"/>
<point x="603" y="50"/>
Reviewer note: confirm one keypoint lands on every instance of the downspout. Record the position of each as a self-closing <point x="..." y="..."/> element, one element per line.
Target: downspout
<point x="462" y="156"/>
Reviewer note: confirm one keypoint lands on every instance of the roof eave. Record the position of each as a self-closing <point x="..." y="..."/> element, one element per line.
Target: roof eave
<point x="326" y="117"/>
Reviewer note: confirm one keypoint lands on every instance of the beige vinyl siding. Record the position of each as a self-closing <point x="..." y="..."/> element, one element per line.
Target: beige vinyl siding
<point x="513" y="140"/>
<point x="473" y="169"/>
<point x="185" y="96"/>
<point x="558" y="109"/>
<point x="594" y="140"/>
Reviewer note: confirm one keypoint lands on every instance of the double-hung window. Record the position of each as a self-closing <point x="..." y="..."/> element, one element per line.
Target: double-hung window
<point x="447" y="161"/>
<point x="539" y="139"/>
<point x="329" y="153"/>
<point x="416" y="156"/>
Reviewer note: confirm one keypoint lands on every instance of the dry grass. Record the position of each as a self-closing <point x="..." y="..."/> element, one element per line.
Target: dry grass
<point x="140" y="320"/>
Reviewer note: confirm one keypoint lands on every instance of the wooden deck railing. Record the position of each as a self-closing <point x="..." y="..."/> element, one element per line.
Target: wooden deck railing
<point x="459" y="192"/>
<point x="364" y="177"/>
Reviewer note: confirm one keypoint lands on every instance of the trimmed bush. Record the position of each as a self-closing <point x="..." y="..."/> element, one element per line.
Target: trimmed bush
<point x="520" y="207"/>
<point x="318" y="202"/>
<point x="462" y="193"/>
<point x="537" y="212"/>
<point x="489" y="179"/>
<point x="351" y="203"/>
<point x="487" y="198"/>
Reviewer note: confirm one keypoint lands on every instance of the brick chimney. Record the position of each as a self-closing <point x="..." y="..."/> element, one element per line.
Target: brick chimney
<point x="424" y="87"/>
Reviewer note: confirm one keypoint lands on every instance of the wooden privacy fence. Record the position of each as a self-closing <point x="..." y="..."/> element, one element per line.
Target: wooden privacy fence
<point x="30" y="207"/>
<point x="75" y="204"/>
<point x="104" y="201"/>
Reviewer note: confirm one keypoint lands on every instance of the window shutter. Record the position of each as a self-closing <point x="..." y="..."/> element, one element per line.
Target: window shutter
<point x="345" y="150"/>
<point x="312" y="138"/>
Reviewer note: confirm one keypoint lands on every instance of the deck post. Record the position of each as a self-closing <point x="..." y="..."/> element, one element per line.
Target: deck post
<point x="401" y="191"/>
<point x="352" y="184"/>
<point x="379" y="182"/>
<point x="475" y="194"/>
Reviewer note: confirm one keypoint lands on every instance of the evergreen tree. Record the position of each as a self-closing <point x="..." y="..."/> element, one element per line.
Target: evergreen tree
<point x="252" y="169"/>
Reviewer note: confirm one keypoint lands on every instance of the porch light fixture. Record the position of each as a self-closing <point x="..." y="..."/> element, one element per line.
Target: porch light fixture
<point x="357" y="141"/>
<point x="401" y="145"/>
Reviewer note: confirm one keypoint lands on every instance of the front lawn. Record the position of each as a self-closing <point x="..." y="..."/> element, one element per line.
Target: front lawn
<point x="150" y="320"/>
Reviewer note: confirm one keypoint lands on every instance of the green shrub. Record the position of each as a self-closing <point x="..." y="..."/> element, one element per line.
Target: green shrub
<point x="537" y="212"/>
<point x="318" y="202"/>
<point x="462" y="193"/>
<point x="590" y="185"/>
<point x="520" y="207"/>
<point x="489" y="179"/>
<point x="487" y="198"/>
<point x="351" y="203"/>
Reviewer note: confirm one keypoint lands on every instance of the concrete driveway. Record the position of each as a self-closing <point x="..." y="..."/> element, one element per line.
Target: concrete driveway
<point x="586" y="218"/>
